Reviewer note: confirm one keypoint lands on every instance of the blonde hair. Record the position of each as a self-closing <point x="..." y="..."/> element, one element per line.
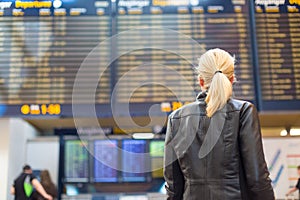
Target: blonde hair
<point x="216" y="68"/>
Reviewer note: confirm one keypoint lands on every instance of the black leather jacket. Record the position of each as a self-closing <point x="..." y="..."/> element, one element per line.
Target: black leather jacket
<point x="218" y="158"/>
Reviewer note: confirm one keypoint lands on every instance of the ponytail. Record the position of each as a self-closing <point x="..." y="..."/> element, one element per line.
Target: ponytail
<point x="216" y="68"/>
<point x="219" y="92"/>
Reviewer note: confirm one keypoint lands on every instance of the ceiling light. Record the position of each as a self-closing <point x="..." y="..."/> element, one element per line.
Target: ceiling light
<point x="145" y="136"/>
<point x="295" y="132"/>
<point x="194" y="2"/>
<point x="283" y="133"/>
<point x="57" y="3"/>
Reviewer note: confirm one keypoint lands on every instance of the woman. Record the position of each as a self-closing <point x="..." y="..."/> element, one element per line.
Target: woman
<point x="213" y="147"/>
<point x="48" y="185"/>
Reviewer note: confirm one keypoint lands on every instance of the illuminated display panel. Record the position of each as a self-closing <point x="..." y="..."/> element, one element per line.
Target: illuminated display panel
<point x="278" y="42"/>
<point x="156" y="149"/>
<point x="76" y="162"/>
<point x="107" y="151"/>
<point x="43" y="45"/>
<point x="42" y="48"/>
<point x="133" y="167"/>
<point x="223" y="24"/>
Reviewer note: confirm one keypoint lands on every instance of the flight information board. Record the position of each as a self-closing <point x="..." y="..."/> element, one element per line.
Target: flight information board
<point x="42" y="46"/>
<point x="133" y="167"/>
<point x="215" y="23"/>
<point x="106" y="160"/>
<point x="278" y="43"/>
<point x="76" y="161"/>
<point x="44" y="43"/>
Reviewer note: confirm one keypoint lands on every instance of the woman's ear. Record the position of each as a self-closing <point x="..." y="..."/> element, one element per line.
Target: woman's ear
<point x="231" y="79"/>
<point x="201" y="82"/>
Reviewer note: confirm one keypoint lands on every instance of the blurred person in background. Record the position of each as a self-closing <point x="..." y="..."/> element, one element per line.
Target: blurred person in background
<point x="213" y="147"/>
<point x="23" y="186"/>
<point x="48" y="185"/>
<point x="297" y="186"/>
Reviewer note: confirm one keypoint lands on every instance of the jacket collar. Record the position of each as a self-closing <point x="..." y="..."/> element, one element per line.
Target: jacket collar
<point x="201" y="96"/>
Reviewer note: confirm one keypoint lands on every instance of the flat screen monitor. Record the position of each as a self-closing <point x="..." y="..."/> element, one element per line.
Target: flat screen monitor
<point x="106" y="160"/>
<point x="156" y="149"/>
<point x="76" y="161"/>
<point x="134" y="160"/>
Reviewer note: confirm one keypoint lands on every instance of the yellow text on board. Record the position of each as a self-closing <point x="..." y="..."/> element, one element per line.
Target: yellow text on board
<point x="294" y="2"/>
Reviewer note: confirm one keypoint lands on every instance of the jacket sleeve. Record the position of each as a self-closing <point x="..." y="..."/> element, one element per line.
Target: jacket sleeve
<point x="252" y="155"/>
<point x="172" y="172"/>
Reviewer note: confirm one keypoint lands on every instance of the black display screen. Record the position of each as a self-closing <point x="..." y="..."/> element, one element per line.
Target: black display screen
<point x="278" y="43"/>
<point x="43" y="45"/>
<point x="212" y="24"/>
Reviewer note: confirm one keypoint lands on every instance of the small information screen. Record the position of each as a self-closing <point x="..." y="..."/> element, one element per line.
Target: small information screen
<point x="134" y="163"/>
<point x="156" y="149"/>
<point x="106" y="161"/>
<point x="76" y="161"/>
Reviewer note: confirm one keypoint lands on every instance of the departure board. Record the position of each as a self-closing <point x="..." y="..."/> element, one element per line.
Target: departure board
<point x="42" y="46"/>
<point x="215" y="23"/>
<point x="278" y="43"/>
<point x="106" y="160"/>
<point x="133" y="167"/>
<point x="76" y="162"/>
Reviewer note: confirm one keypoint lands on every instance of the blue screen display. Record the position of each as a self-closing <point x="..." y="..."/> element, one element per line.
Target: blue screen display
<point x="105" y="161"/>
<point x="134" y="161"/>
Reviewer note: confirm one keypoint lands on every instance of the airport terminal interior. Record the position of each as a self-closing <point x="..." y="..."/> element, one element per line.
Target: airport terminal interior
<point x="86" y="87"/>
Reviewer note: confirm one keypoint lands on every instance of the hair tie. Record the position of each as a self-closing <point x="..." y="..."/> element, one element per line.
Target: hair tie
<point x="218" y="72"/>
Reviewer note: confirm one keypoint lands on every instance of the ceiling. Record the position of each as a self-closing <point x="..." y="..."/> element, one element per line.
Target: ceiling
<point x="271" y="123"/>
